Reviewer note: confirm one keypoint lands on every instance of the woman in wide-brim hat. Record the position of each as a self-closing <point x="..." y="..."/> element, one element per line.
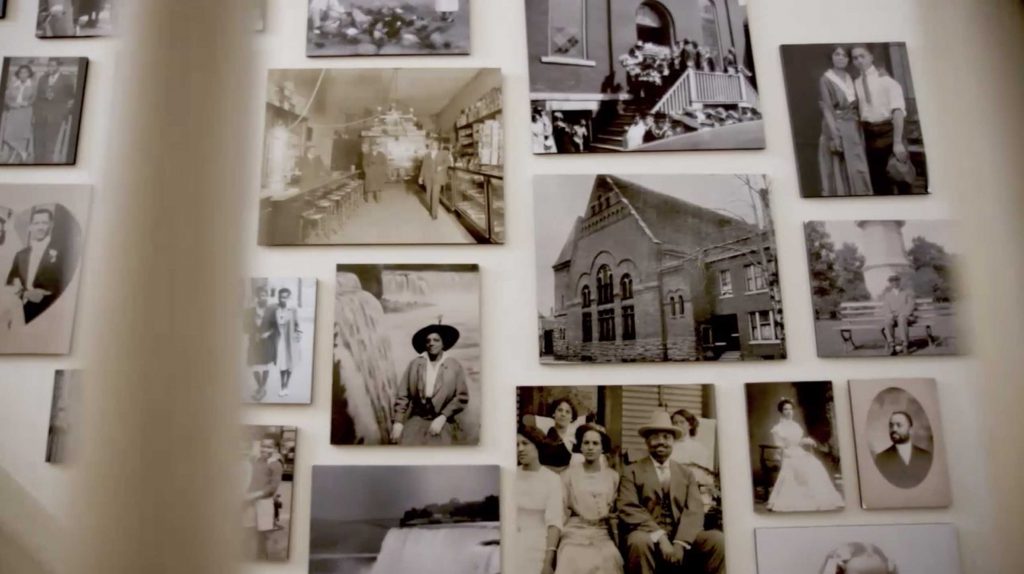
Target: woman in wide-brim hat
<point x="432" y="391"/>
<point x="539" y="501"/>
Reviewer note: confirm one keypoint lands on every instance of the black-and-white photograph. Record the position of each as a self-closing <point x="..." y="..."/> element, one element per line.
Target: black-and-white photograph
<point x="639" y="268"/>
<point x="856" y="128"/>
<point x="641" y="75"/>
<point x="406" y="355"/>
<point x="279" y="318"/>
<point x="3" y="9"/>
<point x="269" y="474"/>
<point x="617" y="480"/>
<point x="884" y="287"/>
<point x="42" y="236"/>
<point x="389" y="519"/>
<point x="877" y="549"/>
<point x="901" y="453"/>
<point x="42" y="110"/>
<point x="75" y="18"/>
<point x="383" y="156"/>
<point x="388" y="27"/>
<point x="64" y="411"/>
<point x="794" y="447"/>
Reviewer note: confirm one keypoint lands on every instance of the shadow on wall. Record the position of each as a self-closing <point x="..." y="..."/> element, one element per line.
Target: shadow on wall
<point x="24" y="516"/>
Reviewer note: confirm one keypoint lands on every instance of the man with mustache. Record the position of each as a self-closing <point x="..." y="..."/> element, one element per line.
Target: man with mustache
<point x="903" y="464"/>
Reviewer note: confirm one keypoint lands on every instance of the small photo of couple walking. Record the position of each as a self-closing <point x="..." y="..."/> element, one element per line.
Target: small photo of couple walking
<point x="279" y="319"/>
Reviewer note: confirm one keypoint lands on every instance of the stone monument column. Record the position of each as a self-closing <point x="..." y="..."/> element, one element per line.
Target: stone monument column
<point x="885" y="254"/>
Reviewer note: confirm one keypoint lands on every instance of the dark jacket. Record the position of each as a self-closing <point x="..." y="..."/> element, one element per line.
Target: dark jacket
<point x="903" y="475"/>
<point x="450" y="391"/>
<point x="49" y="277"/>
<point x="640" y="495"/>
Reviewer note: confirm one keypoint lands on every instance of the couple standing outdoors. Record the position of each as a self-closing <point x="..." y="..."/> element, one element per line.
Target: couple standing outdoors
<point x="273" y="333"/>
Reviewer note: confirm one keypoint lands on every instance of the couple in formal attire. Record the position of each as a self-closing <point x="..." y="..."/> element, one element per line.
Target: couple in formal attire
<point x="36" y="111"/>
<point x="575" y="522"/>
<point x="274" y="335"/>
<point x="35" y="273"/>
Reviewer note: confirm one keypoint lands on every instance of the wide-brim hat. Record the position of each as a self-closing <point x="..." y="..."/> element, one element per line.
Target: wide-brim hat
<point x="449" y="336"/>
<point x="660" y="421"/>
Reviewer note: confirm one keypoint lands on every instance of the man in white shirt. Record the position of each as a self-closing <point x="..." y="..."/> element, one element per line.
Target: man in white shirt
<point x="899" y="305"/>
<point x="903" y="464"/>
<point x="883" y="112"/>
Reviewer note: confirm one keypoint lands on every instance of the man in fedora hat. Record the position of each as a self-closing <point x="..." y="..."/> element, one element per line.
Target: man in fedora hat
<point x="899" y="305"/>
<point x="432" y="391"/>
<point x="661" y="506"/>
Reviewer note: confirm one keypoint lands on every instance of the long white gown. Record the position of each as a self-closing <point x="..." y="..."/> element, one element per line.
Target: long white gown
<point x="803" y="484"/>
<point x="539" y="504"/>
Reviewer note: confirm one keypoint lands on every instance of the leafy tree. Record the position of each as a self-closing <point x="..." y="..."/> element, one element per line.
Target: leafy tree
<point x="821" y="258"/>
<point x="932" y="270"/>
<point x="850" y="274"/>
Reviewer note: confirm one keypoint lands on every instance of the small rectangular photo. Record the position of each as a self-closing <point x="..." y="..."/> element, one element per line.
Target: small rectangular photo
<point x="269" y="472"/>
<point x="856" y="128"/>
<point x="61" y="437"/>
<point x="42" y="110"/>
<point x="629" y="475"/>
<point x="901" y="452"/>
<point x="656" y="268"/>
<point x="406" y="365"/>
<point x="279" y="326"/>
<point x="884" y="287"/>
<point x="388" y="28"/>
<point x="881" y="549"/>
<point x="794" y="447"/>
<point x="389" y="519"/>
<point x="75" y="18"/>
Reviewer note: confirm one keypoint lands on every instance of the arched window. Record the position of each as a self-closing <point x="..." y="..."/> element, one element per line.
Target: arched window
<point x="709" y="29"/>
<point x="653" y="24"/>
<point x="626" y="287"/>
<point x="605" y="286"/>
<point x="585" y="295"/>
<point x="672" y="305"/>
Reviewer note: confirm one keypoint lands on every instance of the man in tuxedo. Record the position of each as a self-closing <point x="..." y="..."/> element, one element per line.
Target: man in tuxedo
<point x="55" y="97"/>
<point x="38" y="269"/>
<point x="903" y="464"/>
<point x="661" y="507"/>
<point x="434" y="174"/>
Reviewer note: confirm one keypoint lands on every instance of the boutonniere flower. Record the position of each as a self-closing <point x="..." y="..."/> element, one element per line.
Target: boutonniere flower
<point x="53" y="255"/>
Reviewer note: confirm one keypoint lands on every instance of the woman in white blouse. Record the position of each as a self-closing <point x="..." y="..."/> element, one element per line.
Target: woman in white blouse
<point x="539" y="504"/>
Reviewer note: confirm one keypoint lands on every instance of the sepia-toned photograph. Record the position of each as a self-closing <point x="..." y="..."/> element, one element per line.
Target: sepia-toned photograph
<point x="388" y="27"/>
<point x="406" y="365"/>
<point x="279" y="319"/>
<point x="75" y="18"/>
<point x="650" y="268"/>
<point x="64" y="412"/>
<point x="901" y="453"/>
<point x="269" y="474"/>
<point x="884" y="287"/>
<point x="794" y="447"/>
<point x="617" y="480"/>
<point x="390" y="519"/>
<point x="856" y="128"/>
<point x="641" y="75"/>
<point x="383" y="156"/>
<point x="881" y="549"/>
<point x="42" y="238"/>
<point x="42" y="110"/>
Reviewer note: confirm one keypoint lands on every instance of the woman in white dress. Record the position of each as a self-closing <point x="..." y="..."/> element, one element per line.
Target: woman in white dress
<point x="803" y="484"/>
<point x="12" y="317"/>
<point x="539" y="505"/>
<point x="288" y="338"/>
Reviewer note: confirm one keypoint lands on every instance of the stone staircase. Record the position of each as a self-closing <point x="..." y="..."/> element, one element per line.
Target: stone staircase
<point x="612" y="137"/>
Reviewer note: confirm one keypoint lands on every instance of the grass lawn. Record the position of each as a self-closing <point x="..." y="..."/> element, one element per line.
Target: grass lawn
<point x="871" y="343"/>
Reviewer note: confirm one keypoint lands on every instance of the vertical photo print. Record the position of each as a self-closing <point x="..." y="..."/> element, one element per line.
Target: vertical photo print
<point x="901" y="453"/>
<point x="75" y="18"/>
<point x="42" y="239"/>
<point x="269" y="473"/>
<point x="794" y="447"/>
<point x="64" y="411"/>
<point x="390" y="519"/>
<point x="652" y="268"/>
<point x="388" y="27"/>
<point x="617" y="480"/>
<point x="856" y="128"/>
<point x="406" y="355"/>
<point x="279" y="321"/>
<point x="884" y="287"/>
<point x="42" y="110"/>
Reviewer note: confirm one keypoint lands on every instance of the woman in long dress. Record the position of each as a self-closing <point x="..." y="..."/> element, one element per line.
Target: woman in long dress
<point x="842" y="158"/>
<point x="16" y="124"/>
<point x="539" y="505"/>
<point x="803" y="483"/>
<point x="289" y="335"/>
<point x="586" y="545"/>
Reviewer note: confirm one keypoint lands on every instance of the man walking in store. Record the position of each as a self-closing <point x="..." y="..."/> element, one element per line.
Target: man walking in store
<point x="882" y="115"/>
<point x="375" y="172"/>
<point x="434" y="175"/>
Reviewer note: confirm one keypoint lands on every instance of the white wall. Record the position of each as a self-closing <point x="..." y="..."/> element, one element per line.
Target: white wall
<point x="951" y="43"/>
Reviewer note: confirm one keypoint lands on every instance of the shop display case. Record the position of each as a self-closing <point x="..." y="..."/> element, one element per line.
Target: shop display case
<point x="478" y="197"/>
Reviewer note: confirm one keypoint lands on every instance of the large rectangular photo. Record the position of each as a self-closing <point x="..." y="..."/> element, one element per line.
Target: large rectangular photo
<point x="388" y="27"/>
<point x="406" y="365"/>
<point x="656" y="268"/>
<point x="627" y="477"/>
<point x="642" y="75"/>
<point x="390" y="519"/>
<point x="269" y="453"/>
<point x="279" y="320"/>
<point x="75" y="18"/>
<point x="383" y="156"/>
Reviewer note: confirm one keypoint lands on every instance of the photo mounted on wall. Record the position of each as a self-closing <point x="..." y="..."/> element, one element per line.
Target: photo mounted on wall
<point x="270" y="477"/>
<point x="423" y="519"/>
<point x="901" y="453"/>
<point x="383" y="156"/>
<point x="3" y="9"/>
<point x="638" y="268"/>
<point x="588" y="459"/>
<point x="388" y="27"/>
<point x="406" y="355"/>
<point x="279" y="322"/>
<point x="635" y="75"/>
<point x="884" y="287"/>
<point x="881" y="549"/>
<point x="856" y="128"/>
<point x="61" y="443"/>
<point x="42" y="238"/>
<point x="75" y="18"/>
<point x="794" y="447"/>
<point x="42" y="110"/>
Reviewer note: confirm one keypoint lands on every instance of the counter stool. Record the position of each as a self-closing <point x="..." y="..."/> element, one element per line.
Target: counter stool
<point x="310" y="222"/>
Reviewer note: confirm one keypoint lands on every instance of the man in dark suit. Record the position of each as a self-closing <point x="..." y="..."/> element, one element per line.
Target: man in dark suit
<point x="661" y="507"/>
<point x="904" y="464"/>
<point x="38" y="270"/>
<point x="55" y="98"/>
<point x="434" y="174"/>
